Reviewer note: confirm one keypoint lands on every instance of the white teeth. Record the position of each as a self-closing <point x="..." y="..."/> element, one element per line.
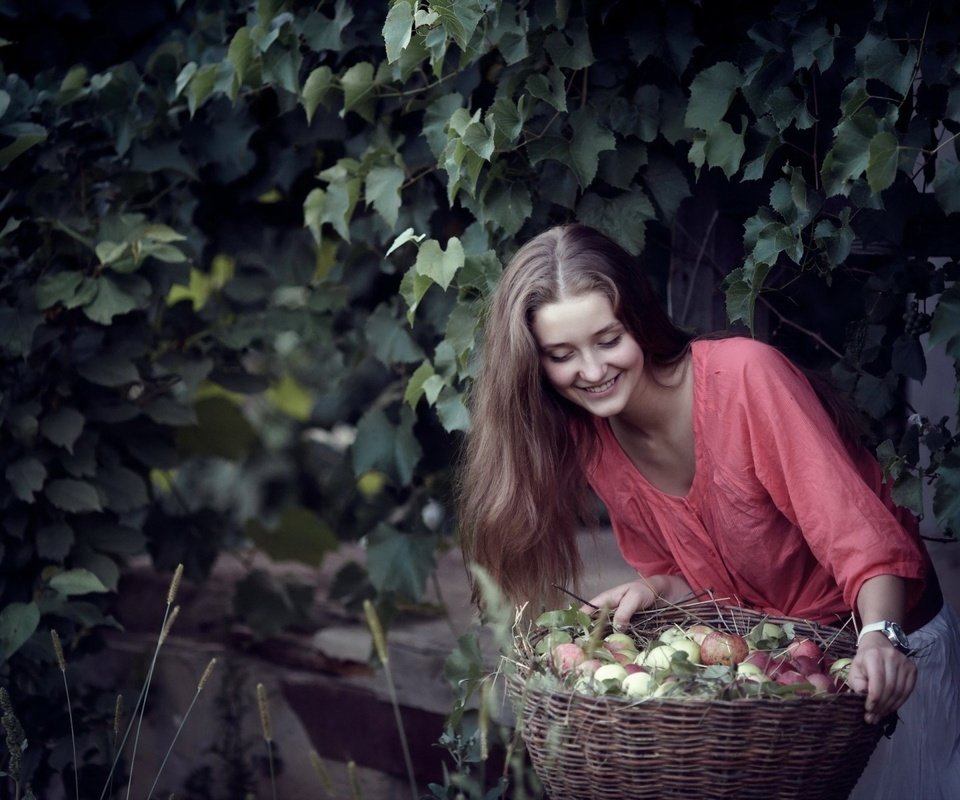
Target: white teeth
<point x="601" y="388"/>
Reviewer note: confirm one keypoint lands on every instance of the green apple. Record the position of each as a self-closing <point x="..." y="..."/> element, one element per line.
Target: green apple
<point x="638" y="684"/>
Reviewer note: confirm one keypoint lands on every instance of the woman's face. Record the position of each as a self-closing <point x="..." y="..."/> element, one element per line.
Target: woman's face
<point x="587" y="354"/>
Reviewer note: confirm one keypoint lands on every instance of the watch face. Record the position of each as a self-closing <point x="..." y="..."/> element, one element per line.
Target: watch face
<point x="897" y="636"/>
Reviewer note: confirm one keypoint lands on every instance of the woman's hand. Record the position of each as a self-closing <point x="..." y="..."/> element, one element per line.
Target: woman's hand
<point x="629" y="598"/>
<point x="884" y="674"/>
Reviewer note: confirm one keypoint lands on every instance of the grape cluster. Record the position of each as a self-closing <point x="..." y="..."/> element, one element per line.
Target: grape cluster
<point x="915" y="321"/>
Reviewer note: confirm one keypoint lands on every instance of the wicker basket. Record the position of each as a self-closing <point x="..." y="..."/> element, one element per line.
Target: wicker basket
<point x="608" y="747"/>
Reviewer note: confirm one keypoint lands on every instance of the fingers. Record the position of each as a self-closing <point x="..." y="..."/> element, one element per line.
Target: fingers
<point x="886" y="676"/>
<point x="626" y="599"/>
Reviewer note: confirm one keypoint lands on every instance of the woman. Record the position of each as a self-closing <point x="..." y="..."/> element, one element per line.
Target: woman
<point x="720" y="470"/>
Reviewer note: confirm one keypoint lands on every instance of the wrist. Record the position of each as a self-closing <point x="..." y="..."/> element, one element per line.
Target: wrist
<point x="887" y="629"/>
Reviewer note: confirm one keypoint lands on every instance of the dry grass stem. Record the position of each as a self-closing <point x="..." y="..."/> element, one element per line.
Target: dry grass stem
<point x="174" y="584"/>
<point x="206" y="674"/>
<point x="264" y="712"/>
<point x="320" y="768"/>
<point x="376" y="630"/>
<point x="174" y="612"/>
<point x="354" y="779"/>
<point x="58" y="650"/>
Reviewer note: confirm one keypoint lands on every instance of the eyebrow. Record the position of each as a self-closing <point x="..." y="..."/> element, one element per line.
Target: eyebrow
<point x="602" y="332"/>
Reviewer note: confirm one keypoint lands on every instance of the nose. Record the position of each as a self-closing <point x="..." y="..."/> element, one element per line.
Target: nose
<point x="592" y="368"/>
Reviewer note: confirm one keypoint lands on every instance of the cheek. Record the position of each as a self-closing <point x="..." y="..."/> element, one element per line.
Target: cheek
<point x="556" y="374"/>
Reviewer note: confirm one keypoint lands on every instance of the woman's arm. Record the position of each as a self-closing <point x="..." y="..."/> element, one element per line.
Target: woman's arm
<point x="879" y="670"/>
<point x="628" y="598"/>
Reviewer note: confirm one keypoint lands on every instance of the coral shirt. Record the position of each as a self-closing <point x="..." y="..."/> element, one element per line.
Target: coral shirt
<point x="778" y="518"/>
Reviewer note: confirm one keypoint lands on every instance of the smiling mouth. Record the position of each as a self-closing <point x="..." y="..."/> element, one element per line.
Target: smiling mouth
<point x="600" y="388"/>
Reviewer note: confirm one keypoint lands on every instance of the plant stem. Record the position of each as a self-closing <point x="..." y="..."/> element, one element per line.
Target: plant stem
<point x="73" y="738"/>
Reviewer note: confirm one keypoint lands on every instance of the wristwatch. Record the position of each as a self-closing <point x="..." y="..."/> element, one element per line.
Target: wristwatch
<point x="889" y="629"/>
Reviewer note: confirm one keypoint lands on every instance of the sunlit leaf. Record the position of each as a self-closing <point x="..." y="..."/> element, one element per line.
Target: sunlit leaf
<point x="315" y="90"/>
<point x="398" y="29"/>
<point x="437" y="264"/>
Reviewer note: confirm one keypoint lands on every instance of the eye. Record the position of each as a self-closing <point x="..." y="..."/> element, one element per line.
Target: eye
<point x="612" y="342"/>
<point x="558" y="359"/>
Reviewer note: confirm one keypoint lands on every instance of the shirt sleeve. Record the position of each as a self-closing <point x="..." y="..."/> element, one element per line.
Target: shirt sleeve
<point x="802" y="462"/>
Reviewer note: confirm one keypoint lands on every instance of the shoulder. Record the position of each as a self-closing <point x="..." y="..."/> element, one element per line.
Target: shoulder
<point x="739" y="355"/>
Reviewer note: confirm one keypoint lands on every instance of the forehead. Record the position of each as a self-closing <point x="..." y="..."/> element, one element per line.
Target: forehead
<point x="573" y="318"/>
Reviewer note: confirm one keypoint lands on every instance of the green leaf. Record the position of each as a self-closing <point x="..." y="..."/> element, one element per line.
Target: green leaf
<point x="124" y="488"/>
<point x="382" y="191"/>
<point x="388" y="338"/>
<point x="459" y="18"/>
<point x="439" y="265"/>
<point x="26" y="476"/>
<point x="850" y="154"/>
<point x="570" y="48"/>
<point x="241" y="54"/>
<point x="201" y="87"/>
<point x="945" y="326"/>
<point x="115" y="540"/>
<point x="416" y="384"/>
<point x="398" y="29"/>
<point x="357" y="83"/>
<point x="300" y="535"/>
<point x="60" y="287"/>
<point x="390" y="448"/>
<point x="946" y="185"/>
<point x="54" y="542"/>
<point x="72" y="495"/>
<point x="907" y="492"/>
<point x="946" y="496"/>
<point x="623" y="218"/>
<point x="908" y="358"/>
<point x="19" y="146"/>
<point x="881" y="59"/>
<point x="62" y="427"/>
<point x="549" y="87"/>
<point x="77" y="581"/>
<point x="413" y="286"/>
<point x="323" y="33"/>
<point x="109" y="369"/>
<point x="315" y="90"/>
<point x="112" y="300"/>
<point x="399" y="562"/>
<point x="18" y="622"/>
<point x="711" y="92"/>
<point x="883" y="155"/>
<point x="589" y="140"/>
<point x="874" y="395"/>
<point x="453" y="413"/>
<point x="407" y="236"/>
<point x="724" y="148"/>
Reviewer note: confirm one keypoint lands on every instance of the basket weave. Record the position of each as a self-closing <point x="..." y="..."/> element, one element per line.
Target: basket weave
<point x="610" y="747"/>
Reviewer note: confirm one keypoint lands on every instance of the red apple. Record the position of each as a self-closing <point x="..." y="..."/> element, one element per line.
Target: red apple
<point x="698" y="632"/>
<point x="567" y="657"/>
<point x="807" y="665"/>
<point x="805" y="647"/>
<point x="720" y="647"/>
<point x="822" y="684"/>
<point x="631" y="668"/>
<point x="759" y="658"/>
<point x="789" y="677"/>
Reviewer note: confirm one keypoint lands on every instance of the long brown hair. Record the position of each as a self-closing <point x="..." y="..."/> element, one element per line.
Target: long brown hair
<point x="522" y="491"/>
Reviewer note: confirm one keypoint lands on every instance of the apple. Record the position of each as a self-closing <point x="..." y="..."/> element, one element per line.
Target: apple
<point x="840" y="668"/>
<point x="632" y="668"/>
<point x="659" y="657"/>
<point x="822" y="684"/>
<point x="638" y="684"/>
<point x="688" y="646"/>
<point x="610" y="672"/>
<point x="665" y="687"/>
<point x="589" y="667"/>
<point x="672" y="634"/>
<point x="720" y="647"/>
<point x="805" y="647"/>
<point x="807" y="665"/>
<point x="758" y="658"/>
<point x="699" y="632"/>
<point x="790" y="677"/>
<point x="567" y="657"/>
<point x="751" y="672"/>
<point x="622" y="656"/>
<point x="619" y="641"/>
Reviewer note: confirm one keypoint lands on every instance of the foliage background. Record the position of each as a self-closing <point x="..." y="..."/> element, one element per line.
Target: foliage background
<point x="246" y="244"/>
